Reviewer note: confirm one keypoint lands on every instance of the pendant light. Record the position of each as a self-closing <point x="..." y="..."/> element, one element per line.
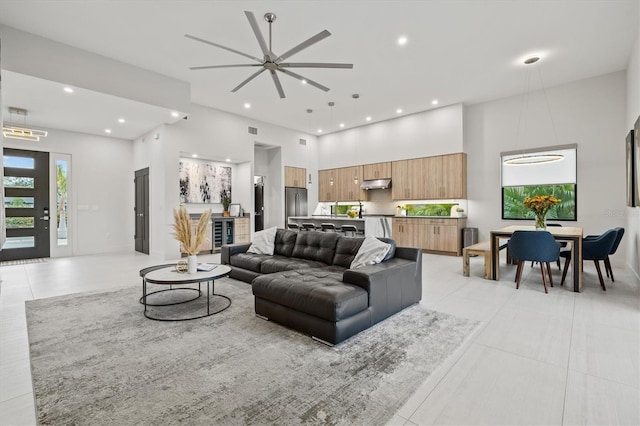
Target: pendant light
<point x="331" y="105"/>
<point x="309" y="111"/>
<point x="12" y="131"/>
<point x="527" y="157"/>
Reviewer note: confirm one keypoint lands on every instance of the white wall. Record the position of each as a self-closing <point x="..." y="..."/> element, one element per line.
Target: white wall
<point x="632" y="232"/>
<point x="217" y="135"/>
<point x="433" y="132"/>
<point x="589" y="113"/>
<point x="102" y="188"/>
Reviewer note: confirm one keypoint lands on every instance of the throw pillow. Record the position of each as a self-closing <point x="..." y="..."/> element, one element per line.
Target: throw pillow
<point x="371" y="251"/>
<point x="264" y="242"/>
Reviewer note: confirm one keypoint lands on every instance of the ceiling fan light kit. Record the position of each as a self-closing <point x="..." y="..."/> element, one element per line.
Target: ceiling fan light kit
<point x="270" y="61"/>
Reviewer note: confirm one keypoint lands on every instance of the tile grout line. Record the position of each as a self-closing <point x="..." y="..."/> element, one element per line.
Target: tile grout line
<point x="566" y="382"/>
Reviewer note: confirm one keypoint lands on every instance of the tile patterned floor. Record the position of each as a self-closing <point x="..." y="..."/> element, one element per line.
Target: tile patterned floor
<point x="548" y="359"/>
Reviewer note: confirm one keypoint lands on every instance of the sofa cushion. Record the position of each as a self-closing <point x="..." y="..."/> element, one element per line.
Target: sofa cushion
<point x="284" y="242"/>
<point x="283" y="263"/>
<point x="263" y="241"/>
<point x="319" y="246"/>
<point x="248" y="261"/>
<point x="371" y="251"/>
<point x="314" y="291"/>
<point x="346" y="250"/>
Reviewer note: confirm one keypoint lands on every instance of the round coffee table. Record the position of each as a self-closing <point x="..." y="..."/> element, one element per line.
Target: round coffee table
<point x="168" y="276"/>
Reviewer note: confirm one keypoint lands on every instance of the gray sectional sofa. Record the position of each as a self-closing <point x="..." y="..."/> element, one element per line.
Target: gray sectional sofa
<point x="307" y="284"/>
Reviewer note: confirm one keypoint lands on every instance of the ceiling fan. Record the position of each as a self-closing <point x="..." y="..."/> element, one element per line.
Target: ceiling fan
<point x="270" y="60"/>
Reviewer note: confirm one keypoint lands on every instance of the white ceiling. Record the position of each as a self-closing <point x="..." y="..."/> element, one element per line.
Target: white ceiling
<point x="458" y="51"/>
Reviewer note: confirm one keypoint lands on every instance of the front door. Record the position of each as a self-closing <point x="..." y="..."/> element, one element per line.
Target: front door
<point x="141" y="210"/>
<point x="26" y="204"/>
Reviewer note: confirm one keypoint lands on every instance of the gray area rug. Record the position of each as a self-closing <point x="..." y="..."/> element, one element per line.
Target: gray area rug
<point x="95" y="359"/>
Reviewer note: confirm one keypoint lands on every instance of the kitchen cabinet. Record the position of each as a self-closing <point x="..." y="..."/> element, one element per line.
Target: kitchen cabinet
<point x="430" y="178"/>
<point x="343" y="188"/>
<point x="377" y="171"/>
<point x="242" y="232"/>
<point x="295" y="177"/>
<point x="438" y="235"/>
<point x="327" y="191"/>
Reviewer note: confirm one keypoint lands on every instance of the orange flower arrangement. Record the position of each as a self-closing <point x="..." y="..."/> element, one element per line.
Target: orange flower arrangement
<point x="540" y="206"/>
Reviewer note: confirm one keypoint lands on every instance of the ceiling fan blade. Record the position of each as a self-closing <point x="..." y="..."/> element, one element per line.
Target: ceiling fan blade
<point x="301" y="78"/>
<point x="254" y="75"/>
<point x="206" y="67"/>
<point x="313" y="40"/>
<point x="258" y="33"/>
<point x="223" y="47"/>
<point x="276" y="80"/>
<point x="314" y="65"/>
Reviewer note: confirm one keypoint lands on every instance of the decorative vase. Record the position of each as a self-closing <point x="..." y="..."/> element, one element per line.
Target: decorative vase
<point x="192" y="264"/>
<point x="540" y="222"/>
<point x="225" y="213"/>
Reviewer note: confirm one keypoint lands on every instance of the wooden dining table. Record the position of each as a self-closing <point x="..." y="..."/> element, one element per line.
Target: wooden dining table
<point x="560" y="233"/>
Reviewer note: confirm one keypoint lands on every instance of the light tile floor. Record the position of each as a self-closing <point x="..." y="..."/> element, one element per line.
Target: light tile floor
<point x="557" y="358"/>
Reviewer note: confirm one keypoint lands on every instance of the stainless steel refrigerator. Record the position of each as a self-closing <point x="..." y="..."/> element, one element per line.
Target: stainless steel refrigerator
<point x="295" y="203"/>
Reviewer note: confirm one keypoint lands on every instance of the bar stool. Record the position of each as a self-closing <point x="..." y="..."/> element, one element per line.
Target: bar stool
<point x="308" y="226"/>
<point x="329" y="227"/>
<point x="293" y="226"/>
<point x="349" y="230"/>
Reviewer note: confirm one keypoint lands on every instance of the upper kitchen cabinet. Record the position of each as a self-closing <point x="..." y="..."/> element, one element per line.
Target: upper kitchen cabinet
<point x="327" y="190"/>
<point x="430" y="178"/>
<point x="295" y="177"/>
<point x="377" y="171"/>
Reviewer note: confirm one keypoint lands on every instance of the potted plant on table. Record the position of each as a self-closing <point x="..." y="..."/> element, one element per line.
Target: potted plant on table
<point x="191" y="241"/>
<point x="225" y="199"/>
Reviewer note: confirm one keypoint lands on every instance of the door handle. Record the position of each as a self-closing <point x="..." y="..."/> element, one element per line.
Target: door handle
<point x="45" y="218"/>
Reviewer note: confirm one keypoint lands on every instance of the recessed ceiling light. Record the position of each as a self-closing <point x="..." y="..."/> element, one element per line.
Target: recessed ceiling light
<point x="247" y="105"/>
<point x="68" y="89"/>
<point x="319" y="130"/>
<point x="434" y="102"/>
<point x="402" y="41"/>
<point x="304" y="81"/>
<point x="368" y="118"/>
<point x="399" y="110"/>
<point x="107" y="130"/>
<point x="341" y="124"/>
<point x="194" y="155"/>
<point x="175" y="114"/>
<point x="227" y="160"/>
<point x="120" y="120"/>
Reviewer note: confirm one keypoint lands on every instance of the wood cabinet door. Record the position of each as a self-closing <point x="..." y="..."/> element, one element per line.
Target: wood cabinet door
<point x="400" y="180"/>
<point x="242" y="232"/>
<point x="377" y="171"/>
<point x="433" y="177"/>
<point x="454" y="176"/>
<point x="295" y="177"/>
<point x="326" y="191"/>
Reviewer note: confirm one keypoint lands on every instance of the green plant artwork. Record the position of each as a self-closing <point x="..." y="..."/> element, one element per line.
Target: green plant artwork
<point x="513" y="198"/>
<point x="429" y="209"/>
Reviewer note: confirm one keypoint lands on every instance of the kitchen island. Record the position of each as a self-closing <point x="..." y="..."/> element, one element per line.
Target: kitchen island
<point x="374" y="226"/>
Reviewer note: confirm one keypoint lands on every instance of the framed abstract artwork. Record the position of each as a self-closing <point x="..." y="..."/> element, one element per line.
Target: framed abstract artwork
<point x="202" y="181"/>
<point x="631" y="172"/>
<point x="636" y="157"/>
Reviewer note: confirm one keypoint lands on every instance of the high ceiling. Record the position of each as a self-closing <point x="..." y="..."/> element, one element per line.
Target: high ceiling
<point x="457" y="51"/>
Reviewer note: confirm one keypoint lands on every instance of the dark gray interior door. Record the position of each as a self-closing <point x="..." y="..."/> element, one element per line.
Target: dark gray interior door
<point x="141" y="210"/>
<point x="26" y="204"/>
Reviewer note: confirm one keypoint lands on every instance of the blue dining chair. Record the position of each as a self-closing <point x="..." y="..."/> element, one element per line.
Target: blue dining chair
<point x="537" y="246"/>
<point x="593" y="248"/>
<point x="562" y="245"/>
<point x="616" y="243"/>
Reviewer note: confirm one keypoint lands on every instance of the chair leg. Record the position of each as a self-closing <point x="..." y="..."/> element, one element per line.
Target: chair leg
<point x="549" y="271"/>
<point x="544" y="280"/>
<point x="519" y="273"/>
<point x="600" y="275"/>
<point x="558" y="263"/>
<point x="564" y="271"/>
<point x="607" y="267"/>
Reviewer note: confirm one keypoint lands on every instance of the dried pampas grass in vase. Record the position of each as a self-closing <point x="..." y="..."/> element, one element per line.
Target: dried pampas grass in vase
<point x="190" y="239"/>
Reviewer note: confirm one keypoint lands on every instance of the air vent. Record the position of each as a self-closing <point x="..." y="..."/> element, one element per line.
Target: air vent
<point x="253" y="130"/>
<point x="303" y="142"/>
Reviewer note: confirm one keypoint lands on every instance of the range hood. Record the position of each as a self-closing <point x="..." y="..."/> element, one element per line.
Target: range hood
<point x="376" y="184"/>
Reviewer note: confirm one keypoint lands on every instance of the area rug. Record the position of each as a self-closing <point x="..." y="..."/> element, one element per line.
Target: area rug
<point x="96" y="360"/>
